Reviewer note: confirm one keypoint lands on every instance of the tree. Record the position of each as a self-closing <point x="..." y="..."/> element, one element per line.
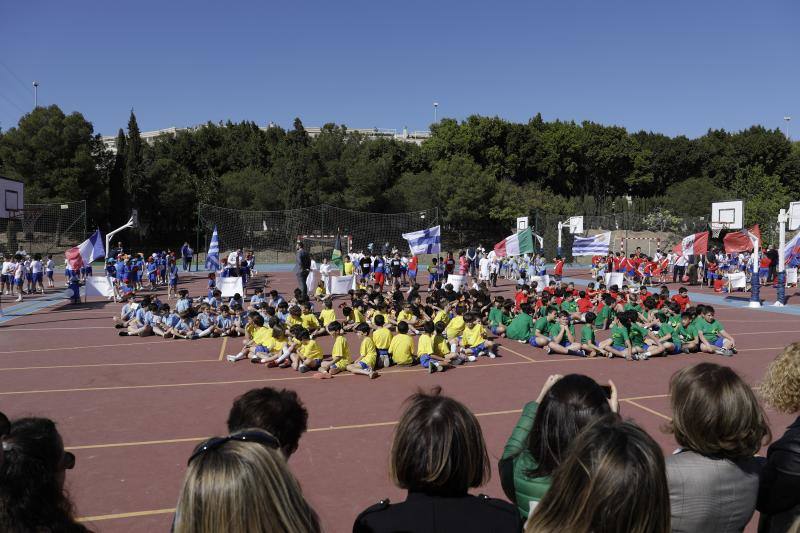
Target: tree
<point x="764" y="196"/>
<point x="118" y="200"/>
<point x="693" y="197"/>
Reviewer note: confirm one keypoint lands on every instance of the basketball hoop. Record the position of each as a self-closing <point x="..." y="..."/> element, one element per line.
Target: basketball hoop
<point x="718" y="227"/>
<point x="14" y="213"/>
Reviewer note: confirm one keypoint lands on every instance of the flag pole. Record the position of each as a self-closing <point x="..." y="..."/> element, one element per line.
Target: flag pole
<point x="782" y="219"/>
<point x="755" y="282"/>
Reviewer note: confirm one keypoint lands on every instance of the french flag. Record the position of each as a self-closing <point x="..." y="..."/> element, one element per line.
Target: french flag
<point x="791" y="252"/>
<point x="86" y="252"/>
<point x="696" y="244"/>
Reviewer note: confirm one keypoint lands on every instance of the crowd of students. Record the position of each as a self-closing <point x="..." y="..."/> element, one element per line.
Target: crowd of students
<point x="22" y="273"/>
<point x="572" y="463"/>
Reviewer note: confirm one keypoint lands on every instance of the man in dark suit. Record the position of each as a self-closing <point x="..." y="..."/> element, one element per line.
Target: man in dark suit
<point x="302" y="267"/>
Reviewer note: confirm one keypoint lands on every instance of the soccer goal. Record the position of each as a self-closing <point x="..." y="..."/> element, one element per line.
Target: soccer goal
<point x="322" y="246"/>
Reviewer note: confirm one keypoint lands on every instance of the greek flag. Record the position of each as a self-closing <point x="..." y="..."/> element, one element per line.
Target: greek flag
<point x="426" y="241"/>
<point x="212" y="259"/>
<point x="595" y="245"/>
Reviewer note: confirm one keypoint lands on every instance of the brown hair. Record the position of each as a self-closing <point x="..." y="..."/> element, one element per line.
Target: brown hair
<point x="613" y="479"/>
<point x="438" y="447"/>
<point x="781" y="385"/>
<point x="240" y="487"/>
<point x="715" y="413"/>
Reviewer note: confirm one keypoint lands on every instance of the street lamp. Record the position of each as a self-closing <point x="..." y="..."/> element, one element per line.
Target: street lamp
<point x="435" y="107"/>
<point x="787" y="119"/>
<point x="35" y="94"/>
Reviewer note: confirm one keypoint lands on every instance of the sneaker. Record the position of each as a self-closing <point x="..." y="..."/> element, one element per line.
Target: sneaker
<point x="482" y="353"/>
<point x="256" y="360"/>
<point x="645" y="356"/>
<point x="122" y="333"/>
<point x="431" y="368"/>
<point x="440" y="368"/>
<point x="522" y="342"/>
<point x="272" y="364"/>
<point x="547" y="350"/>
<point x="386" y="361"/>
<point x="302" y="369"/>
<point x="492" y="355"/>
<point x="373" y="374"/>
<point x="472" y="358"/>
<point x="286" y="364"/>
<point x="234" y="357"/>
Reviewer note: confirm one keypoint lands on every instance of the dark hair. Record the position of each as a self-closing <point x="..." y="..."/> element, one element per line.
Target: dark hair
<point x="715" y="413"/>
<point x="279" y="412"/>
<point x="590" y="317"/>
<point x="32" y="497"/>
<point x="379" y="320"/>
<point x="613" y="479"/>
<point x="363" y="328"/>
<point x="438" y="447"/>
<point x="258" y="320"/>
<point x="402" y="327"/>
<point x="572" y="403"/>
<point x="335" y="326"/>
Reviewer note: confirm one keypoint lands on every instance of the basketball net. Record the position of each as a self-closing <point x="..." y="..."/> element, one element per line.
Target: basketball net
<point x="717" y="227"/>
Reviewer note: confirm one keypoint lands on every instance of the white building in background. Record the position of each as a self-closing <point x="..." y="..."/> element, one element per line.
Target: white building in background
<point x="415" y="137"/>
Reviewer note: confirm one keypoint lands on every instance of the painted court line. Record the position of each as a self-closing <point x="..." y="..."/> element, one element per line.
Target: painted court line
<point x="109" y="364"/>
<point x="651" y="411"/>
<point x="125" y="515"/>
<point x="531" y="359"/>
<point x="58" y="329"/>
<point x="222" y="349"/>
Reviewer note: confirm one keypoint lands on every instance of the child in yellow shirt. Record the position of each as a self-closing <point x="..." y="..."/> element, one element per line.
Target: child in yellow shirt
<point x="455" y="328"/>
<point x="407" y="315"/>
<point x="473" y="342"/>
<point x="383" y="339"/>
<point x="327" y="315"/>
<point x="295" y="317"/>
<point x="310" y="321"/>
<point x="401" y="349"/>
<point x="368" y="354"/>
<point x="340" y="353"/>
<point x="306" y="354"/>
<point x="428" y="351"/>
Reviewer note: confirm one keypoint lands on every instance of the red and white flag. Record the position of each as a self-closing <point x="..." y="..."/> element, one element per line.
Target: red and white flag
<point x="742" y="241"/>
<point x="696" y="244"/>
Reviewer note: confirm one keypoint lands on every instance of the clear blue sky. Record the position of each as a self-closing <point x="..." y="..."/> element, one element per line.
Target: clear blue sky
<point x="677" y="67"/>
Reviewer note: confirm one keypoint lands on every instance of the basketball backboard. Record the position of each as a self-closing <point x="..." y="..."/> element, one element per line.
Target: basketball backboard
<point x="522" y="223"/>
<point x="730" y="213"/>
<point x="12" y="199"/>
<point x="575" y="225"/>
<point x="794" y="216"/>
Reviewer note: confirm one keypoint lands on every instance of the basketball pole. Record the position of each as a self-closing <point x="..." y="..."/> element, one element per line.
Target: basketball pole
<point x="782" y="220"/>
<point x="755" y="282"/>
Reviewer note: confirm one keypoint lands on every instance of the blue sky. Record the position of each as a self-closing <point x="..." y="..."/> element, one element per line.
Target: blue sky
<point x="677" y="67"/>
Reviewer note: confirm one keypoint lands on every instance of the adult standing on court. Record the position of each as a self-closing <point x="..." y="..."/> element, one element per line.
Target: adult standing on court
<point x="302" y="267"/>
<point x="472" y="258"/>
<point x="186" y="254"/>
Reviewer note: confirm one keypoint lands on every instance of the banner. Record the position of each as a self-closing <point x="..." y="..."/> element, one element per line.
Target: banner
<point x="737" y="280"/>
<point x="615" y="278"/>
<point x="230" y="286"/>
<point x="594" y="245"/>
<point x="791" y="276"/>
<point x="426" y="241"/>
<point x="99" y="286"/>
<point x="341" y="284"/>
<point x="542" y="282"/>
<point x="456" y="281"/>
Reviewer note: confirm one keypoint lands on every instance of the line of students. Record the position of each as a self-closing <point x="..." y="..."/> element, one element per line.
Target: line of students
<point x="25" y="274"/>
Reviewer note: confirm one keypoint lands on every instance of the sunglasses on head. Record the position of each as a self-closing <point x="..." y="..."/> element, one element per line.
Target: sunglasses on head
<point x="261" y="437"/>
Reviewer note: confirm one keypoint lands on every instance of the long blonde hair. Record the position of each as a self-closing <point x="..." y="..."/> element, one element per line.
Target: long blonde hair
<point x="242" y="487"/>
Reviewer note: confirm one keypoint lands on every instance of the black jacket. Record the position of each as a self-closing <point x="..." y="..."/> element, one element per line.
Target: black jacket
<point x="779" y="490"/>
<point x="424" y="513"/>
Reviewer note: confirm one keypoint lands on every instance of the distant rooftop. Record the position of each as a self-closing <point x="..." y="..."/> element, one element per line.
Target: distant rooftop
<point x="415" y="137"/>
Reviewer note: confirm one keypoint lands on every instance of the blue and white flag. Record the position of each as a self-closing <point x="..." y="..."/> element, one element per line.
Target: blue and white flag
<point x="426" y="241"/>
<point x="594" y="245"/>
<point x="212" y="259"/>
<point x="92" y="248"/>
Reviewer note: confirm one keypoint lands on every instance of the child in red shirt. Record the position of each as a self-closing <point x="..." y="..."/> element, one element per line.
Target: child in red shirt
<point x="559" y="270"/>
<point x="682" y="298"/>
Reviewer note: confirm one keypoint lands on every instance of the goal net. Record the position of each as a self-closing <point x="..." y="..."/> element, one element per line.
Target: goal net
<point x="272" y="235"/>
<point x="321" y="246"/>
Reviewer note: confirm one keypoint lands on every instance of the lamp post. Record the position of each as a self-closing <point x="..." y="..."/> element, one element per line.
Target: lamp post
<point x="787" y="119"/>
<point x="35" y="94"/>
<point x="435" y="107"/>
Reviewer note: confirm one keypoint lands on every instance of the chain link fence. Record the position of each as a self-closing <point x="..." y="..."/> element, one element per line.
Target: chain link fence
<point x="44" y="228"/>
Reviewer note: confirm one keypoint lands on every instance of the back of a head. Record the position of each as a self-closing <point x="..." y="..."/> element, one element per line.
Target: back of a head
<point x="715" y="413"/>
<point x="613" y="479"/>
<point x="242" y="487"/>
<point x="572" y="403"/>
<point x="32" y="497"/>
<point x="438" y="447"/>
<point x="781" y="385"/>
<point x="278" y="412"/>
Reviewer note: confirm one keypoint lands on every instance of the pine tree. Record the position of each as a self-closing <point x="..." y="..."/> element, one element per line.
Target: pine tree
<point x="118" y="208"/>
<point x="133" y="160"/>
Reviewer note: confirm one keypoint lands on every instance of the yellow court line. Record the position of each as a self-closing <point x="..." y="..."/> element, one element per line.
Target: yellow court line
<point x="109" y="364"/>
<point x="58" y="329"/>
<point x="222" y="348"/>
<point x="531" y="359"/>
<point x="651" y="411"/>
<point x="125" y="515"/>
<point x="63" y="348"/>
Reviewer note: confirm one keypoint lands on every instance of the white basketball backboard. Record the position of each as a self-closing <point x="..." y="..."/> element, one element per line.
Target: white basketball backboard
<point x="794" y="216"/>
<point x="576" y="225"/>
<point x="730" y="213"/>
<point x="11" y="197"/>
<point x="522" y="223"/>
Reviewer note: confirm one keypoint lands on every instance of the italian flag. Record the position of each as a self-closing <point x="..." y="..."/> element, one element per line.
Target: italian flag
<point x="696" y="244"/>
<point x="517" y="244"/>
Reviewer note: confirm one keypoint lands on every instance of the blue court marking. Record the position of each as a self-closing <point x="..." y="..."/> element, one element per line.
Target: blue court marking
<point x="713" y="299"/>
<point x="28" y="307"/>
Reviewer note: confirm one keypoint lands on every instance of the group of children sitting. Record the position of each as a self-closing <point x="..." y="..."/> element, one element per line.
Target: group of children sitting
<point x="641" y="324"/>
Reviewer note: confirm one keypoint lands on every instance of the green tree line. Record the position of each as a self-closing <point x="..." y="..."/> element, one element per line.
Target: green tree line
<point x="481" y="173"/>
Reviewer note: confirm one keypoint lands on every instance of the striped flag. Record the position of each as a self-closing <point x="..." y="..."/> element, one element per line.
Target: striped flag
<point x="517" y="244"/>
<point x="594" y="245"/>
<point x="791" y="252"/>
<point x="695" y="244"/>
<point x="212" y="259"/>
<point x="426" y="241"/>
<point x="86" y="252"/>
<point x="336" y="255"/>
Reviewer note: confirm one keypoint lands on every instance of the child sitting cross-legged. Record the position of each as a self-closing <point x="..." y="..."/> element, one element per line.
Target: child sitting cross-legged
<point x="428" y="350"/>
<point x="368" y="354"/>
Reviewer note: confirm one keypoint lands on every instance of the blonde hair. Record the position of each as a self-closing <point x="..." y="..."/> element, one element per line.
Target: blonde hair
<point x="242" y="487"/>
<point x="781" y="385"/>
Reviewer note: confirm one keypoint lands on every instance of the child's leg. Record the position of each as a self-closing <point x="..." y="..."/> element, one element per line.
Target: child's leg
<point x="556" y="347"/>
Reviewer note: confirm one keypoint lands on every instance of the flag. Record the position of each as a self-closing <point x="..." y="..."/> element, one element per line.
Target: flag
<point x="594" y="245"/>
<point x="742" y="240"/>
<point x="86" y="252"/>
<point x="791" y="252"/>
<point x="212" y="258"/>
<point x="516" y="244"/>
<point x="426" y="241"/>
<point x="336" y="255"/>
<point x="695" y="244"/>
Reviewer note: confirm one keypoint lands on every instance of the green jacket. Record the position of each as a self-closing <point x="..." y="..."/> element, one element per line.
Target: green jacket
<point x="517" y="461"/>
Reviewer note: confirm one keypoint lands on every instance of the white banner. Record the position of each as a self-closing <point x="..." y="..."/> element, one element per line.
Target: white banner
<point x="456" y="281"/>
<point x="738" y="280"/>
<point x="99" y="286"/>
<point x="542" y="282"/>
<point x="230" y="286"/>
<point x="341" y="284"/>
<point x="615" y="278"/>
<point x="791" y="276"/>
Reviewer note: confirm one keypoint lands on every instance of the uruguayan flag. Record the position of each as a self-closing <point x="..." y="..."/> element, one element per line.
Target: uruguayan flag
<point x="595" y="245"/>
<point x="426" y="241"/>
<point x="212" y="259"/>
